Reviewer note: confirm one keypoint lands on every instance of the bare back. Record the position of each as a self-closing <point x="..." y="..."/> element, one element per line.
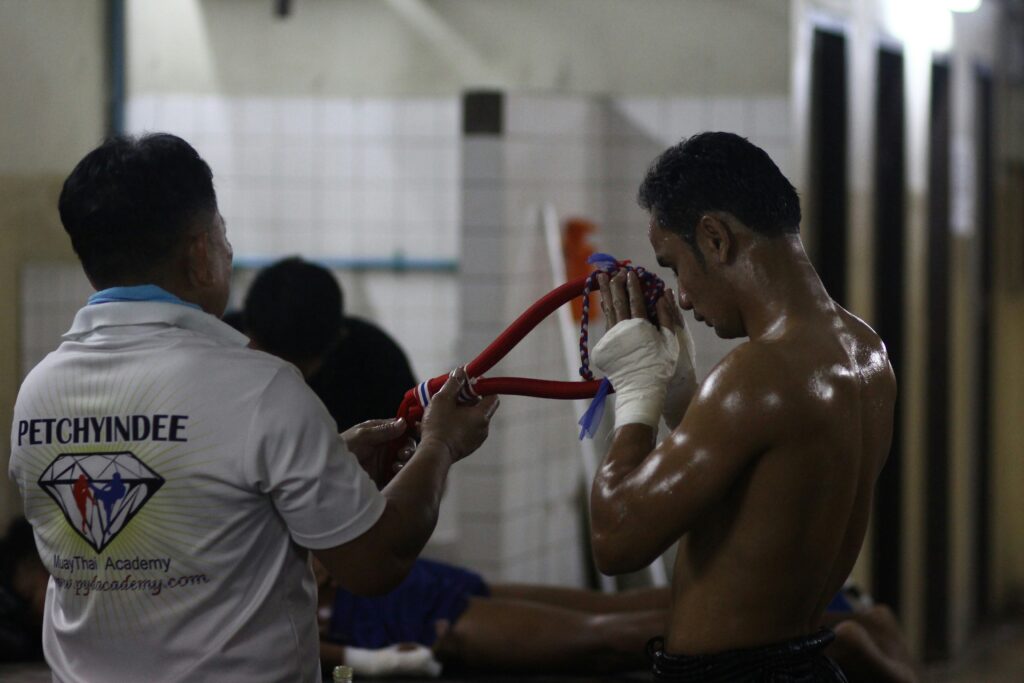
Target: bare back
<point x="805" y="419"/>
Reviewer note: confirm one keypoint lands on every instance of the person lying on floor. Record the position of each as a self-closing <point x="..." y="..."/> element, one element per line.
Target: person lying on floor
<point x="451" y="613"/>
<point x="448" y="616"/>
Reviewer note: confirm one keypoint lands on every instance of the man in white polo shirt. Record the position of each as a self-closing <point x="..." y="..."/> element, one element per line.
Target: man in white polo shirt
<point x="177" y="480"/>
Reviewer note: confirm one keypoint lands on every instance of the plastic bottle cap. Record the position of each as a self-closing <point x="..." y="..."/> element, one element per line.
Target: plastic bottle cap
<point x="341" y="674"/>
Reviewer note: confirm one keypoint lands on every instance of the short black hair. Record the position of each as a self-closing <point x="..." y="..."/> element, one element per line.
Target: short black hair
<point x="719" y="172"/>
<point x="294" y="309"/>
<point x="128" y="204"/>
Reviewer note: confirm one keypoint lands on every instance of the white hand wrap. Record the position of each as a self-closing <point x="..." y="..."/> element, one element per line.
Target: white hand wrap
<point x="683" y="384"/>
<point x="639" y="359"/>
<point x="410" y="660"/>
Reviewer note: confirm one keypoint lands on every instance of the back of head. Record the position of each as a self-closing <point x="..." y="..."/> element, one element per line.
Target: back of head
<point x="719" y="172"/>
<point x="129" y="204"/>
<point x="294" y="310"/>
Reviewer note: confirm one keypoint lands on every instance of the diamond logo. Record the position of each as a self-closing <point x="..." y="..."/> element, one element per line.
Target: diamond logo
<point x="99" y="493"/>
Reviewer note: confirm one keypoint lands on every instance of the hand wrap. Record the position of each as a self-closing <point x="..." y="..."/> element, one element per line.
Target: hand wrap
<point x="393" y="661"/>
<point x="683" y="383"/>
<point x="639" y="359"/>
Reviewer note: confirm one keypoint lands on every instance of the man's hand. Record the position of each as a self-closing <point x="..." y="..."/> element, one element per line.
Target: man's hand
<point x="460" y="428"/>
<point x="683" y="385"/>
<point x="637" y="357"/>
<point x="369" y="440"/>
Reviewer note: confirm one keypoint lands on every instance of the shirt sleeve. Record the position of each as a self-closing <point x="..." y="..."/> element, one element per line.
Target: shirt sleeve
<point x="296" y="456"/>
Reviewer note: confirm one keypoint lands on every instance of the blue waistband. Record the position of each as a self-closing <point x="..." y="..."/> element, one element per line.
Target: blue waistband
<point x="137" y="293"/>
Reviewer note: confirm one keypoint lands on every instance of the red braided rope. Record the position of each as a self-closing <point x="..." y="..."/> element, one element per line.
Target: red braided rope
<point x="415" y="400"/>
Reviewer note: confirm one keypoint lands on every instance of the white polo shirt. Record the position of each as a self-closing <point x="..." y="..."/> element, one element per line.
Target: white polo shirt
<point x="172" y="477"/>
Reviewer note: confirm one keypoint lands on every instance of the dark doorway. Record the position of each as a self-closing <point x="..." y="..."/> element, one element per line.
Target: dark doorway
<point x="828" y="159"/>
<point x="936" y="437"/>
<point x="890" y="241"/>
<point x="984" y="115"/>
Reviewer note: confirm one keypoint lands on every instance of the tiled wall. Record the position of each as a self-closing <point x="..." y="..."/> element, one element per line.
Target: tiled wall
<point x="339" y="180"/>
<point x="51" y="292"/>
<point x="344" y="178"/>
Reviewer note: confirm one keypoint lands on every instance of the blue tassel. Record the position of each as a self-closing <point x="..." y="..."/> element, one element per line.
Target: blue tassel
<point x="592" y="418"/>
<point x="602" y="261"/>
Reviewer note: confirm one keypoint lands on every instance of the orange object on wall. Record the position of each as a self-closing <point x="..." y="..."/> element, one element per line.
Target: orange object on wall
<point x="576" y="249"/>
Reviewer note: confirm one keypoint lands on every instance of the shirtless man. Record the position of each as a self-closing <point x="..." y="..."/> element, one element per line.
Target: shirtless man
<point x="767" y="481"/>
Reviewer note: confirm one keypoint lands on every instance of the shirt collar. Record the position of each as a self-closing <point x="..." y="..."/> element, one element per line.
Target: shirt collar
<point x="119" y="313"/>
<point x="136" y="293"/>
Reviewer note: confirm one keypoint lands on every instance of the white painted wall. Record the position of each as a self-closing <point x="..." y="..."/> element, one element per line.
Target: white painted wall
<point x="51" y="75"/>
<point x="440" y="47"/>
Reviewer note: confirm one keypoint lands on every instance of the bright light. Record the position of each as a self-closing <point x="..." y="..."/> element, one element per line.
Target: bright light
<point x="921" y="22"/>
<point x="963" y="5"/>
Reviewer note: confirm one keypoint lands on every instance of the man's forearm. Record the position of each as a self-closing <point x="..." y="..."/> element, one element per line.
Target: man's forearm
<point x="415" y="495"/>
<point x="613" y="494"/>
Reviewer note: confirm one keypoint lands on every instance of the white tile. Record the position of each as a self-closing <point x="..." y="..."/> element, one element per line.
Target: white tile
<point x="418" y="162"/>
<point x="414" y="117"/>
<point x="296" y="159"/>
<point x="482" y="254"/>
<point x="375" y="118"/>
<point x="447" y="117"/>
<point x="297" y="117"/>
<point x="258" y="157"/>
<point x="771" y="117"/>
<point x="338" y="160"/>
<point x="729" y="114"/>
<point x="176" y="114"/>
<point x="297" y="203"/>
<point x="377" y="161"/>
<point x="213" y="115"/>
<point x="140" y="113"/>
<point x="258" y="116"/>
<point x="483" y="204"/>
<point x="639" y="117"/>
<point x="415" y="207"/>
<point x="479" y="539"/>
<point x="484" y="303"/>
<point x="336" y="118"/>
<point x="483" y="158"/>
<point x="686" y="117"/>
<point x="480" y="494"/>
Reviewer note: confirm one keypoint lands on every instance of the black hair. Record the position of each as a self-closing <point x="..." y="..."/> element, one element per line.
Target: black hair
<point x="719" y="172"/>
<point x="294" y="309"/>
<point x="235" y="319"/>
<point x="129" y="203"/>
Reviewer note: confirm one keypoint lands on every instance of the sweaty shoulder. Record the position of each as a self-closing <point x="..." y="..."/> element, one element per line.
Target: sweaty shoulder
<point x="747" y="394"/>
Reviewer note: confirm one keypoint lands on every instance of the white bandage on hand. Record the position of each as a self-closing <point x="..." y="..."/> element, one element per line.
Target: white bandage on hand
<point x="639" y="359"/>
<point x="683" y="384"/>
<point x="394" y="660"/>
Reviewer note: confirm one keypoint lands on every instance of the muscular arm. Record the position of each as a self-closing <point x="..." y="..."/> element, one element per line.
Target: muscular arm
<point x="377" y="561"/>
<point x="644" y="499"/>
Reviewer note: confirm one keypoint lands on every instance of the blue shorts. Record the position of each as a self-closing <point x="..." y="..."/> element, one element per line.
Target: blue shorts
<point x="430" y="593"/>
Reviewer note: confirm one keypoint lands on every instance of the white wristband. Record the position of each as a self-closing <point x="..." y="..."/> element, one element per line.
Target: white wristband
<point x="639" y="359"/>
<point x="394" y="660"/>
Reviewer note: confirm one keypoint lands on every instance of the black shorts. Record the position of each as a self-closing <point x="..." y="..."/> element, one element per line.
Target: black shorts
<point x="801" y="660"/>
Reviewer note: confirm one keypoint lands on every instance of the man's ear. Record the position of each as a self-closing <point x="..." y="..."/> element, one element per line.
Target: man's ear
<point x="199" y="265"/>
<point x="716" y="237"/>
